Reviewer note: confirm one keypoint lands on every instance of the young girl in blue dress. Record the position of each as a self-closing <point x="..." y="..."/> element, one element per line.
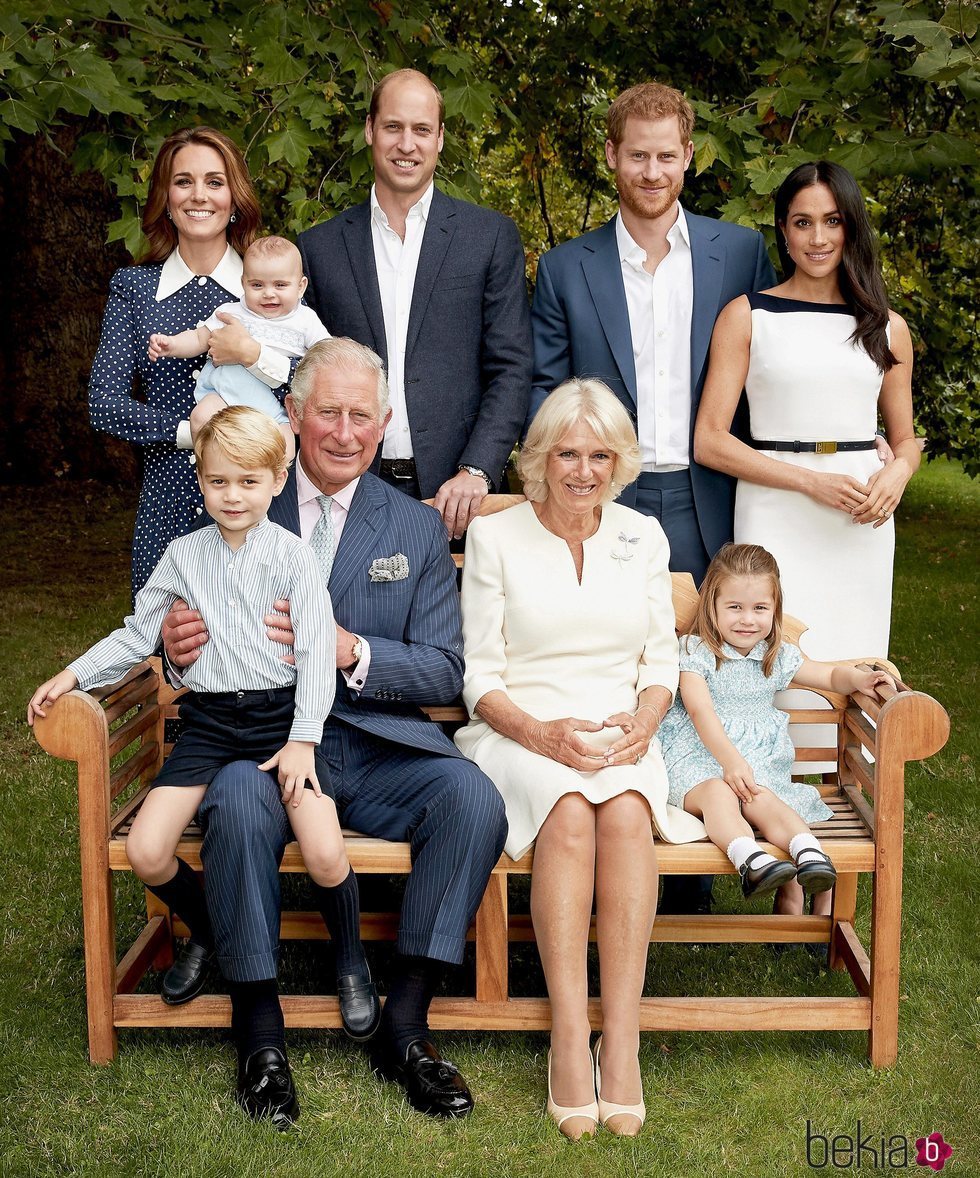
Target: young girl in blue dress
<point x="726" y="746"/>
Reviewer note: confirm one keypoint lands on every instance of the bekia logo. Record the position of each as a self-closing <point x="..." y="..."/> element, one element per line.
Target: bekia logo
<point x="842" y="1151"/>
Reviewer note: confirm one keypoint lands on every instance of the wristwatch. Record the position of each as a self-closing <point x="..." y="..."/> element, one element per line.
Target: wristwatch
<point x="356" y="649"/>
<point x="480" y="474"/>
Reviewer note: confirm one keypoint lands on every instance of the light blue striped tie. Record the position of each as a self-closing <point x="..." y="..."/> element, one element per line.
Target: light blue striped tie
<point x="322" y="540"/>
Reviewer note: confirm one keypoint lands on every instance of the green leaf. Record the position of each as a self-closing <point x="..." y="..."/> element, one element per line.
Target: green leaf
<point x="291" y="144"/>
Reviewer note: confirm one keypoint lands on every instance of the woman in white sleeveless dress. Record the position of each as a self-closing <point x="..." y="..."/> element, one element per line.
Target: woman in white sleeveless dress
<point x="821" y="357"/>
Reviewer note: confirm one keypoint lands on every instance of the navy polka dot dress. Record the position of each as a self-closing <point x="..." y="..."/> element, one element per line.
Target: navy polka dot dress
<point x="169" y="498"/>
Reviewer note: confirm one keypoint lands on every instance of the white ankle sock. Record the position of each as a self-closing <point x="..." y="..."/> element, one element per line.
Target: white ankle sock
<point x="804" y="848"/>
<point x="741" y="848"/>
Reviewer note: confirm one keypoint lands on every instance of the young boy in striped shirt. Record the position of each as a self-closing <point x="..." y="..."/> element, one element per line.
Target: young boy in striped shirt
<point x="244" y="701"/>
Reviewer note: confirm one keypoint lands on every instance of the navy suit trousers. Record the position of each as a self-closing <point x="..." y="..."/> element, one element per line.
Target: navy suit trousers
<point x="445" y="807"/>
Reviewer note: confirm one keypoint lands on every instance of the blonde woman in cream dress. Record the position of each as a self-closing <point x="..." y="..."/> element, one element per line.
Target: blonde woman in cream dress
<point x="571" y="663"/>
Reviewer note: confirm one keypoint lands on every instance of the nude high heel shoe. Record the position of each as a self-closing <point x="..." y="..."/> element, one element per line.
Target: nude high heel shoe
<point x="560" y="1114"/>
<point x="608" y="1110"/>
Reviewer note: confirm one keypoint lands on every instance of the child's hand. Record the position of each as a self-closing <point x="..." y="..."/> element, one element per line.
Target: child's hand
<point x="296" y="767"/>
<point x="739" y="776"/>
<point x="47" y="693"/>
<point x="159" y="346"/>
<point x="867" y="681"/>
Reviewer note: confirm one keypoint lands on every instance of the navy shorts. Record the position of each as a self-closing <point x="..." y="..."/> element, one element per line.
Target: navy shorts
<point x="226" y="726"/>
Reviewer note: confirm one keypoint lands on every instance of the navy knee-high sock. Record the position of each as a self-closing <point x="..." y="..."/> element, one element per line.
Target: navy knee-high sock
<point x="184" y="895"/>
<point x="256" y="1017"/>
<point x="340" y="908"/>
<point x="406" y="1010"/>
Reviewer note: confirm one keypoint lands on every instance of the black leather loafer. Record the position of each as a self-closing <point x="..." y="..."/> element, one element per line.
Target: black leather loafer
<point x="184" y="980"/>
<point x="756" y="881"/>
<point x="431" y="1083"/>
<point x="360" y="1006"/>
<point x="816" y="875"/>
<point x="265" y="1088"/>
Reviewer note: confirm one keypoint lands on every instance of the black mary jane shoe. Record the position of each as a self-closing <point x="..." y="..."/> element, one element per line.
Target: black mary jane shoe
<point x="265" y="1088"/>
<point x="757" y="881"/>
<point x="432" y="1084"/>
<point x="184" y="980"/>
<point x="360" y="1006"/>
<point x="816" y="875"/>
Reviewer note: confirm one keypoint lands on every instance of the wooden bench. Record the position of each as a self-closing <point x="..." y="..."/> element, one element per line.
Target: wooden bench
<point x="117" y="737"/>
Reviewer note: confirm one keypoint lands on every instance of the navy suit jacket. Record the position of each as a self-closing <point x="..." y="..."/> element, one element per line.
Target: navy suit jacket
<point x="413" y="626"/>
<point x="468" y="353"/>
<point x="581" y="328"/>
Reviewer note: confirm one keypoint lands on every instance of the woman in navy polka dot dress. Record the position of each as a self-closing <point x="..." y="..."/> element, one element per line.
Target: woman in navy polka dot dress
<point x="201" y="215"/>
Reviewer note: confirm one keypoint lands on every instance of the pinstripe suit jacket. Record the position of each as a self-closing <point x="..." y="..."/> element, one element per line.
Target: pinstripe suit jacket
<point x="413" y="625"/>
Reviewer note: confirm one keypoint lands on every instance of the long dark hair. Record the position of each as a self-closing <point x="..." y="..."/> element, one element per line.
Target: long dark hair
<point x="161" y="236"/>
<point x="859" y="275"/>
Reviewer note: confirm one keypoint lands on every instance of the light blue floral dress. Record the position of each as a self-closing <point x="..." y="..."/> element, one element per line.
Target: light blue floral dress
<point x="743" y="700"/>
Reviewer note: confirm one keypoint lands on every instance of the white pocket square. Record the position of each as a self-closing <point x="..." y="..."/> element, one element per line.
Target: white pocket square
<point x="389" y="568"/>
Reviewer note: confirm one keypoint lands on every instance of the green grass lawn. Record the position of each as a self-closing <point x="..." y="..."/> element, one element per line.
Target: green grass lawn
<point x="717" y="1103"/>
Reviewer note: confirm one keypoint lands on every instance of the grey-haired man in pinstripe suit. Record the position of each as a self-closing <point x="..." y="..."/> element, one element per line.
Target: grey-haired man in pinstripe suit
<point x="395" y="774"/>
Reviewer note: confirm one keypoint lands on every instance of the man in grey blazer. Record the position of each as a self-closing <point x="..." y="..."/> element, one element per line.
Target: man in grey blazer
<point x="395" y="775"/>
<point x="436" y="287"/>
<point x="634" y="303"/>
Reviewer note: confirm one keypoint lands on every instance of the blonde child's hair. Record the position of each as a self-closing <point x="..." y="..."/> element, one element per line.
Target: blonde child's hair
<point x="274" y="247"/>
<point x="738" y="560"/>
<point x="251" y="439"/>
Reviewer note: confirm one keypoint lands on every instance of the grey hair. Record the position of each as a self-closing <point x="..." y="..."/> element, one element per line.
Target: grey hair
<point x="337" y="352"/>
<point x="580" y="401"/>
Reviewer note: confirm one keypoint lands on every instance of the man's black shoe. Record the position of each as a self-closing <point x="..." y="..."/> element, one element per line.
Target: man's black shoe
<point x="184" y="980"/>
<point x="360" y="1007"/>
<point x="431" y="1083"/>
<point x="265" y="1088"/>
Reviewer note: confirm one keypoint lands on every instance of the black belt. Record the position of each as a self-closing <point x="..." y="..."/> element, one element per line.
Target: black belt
<point x="812" y="447"/>
<point x="398" y="468"/>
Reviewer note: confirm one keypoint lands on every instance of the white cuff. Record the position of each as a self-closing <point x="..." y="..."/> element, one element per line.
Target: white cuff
<point x="185" y="440"/>
<point x="357" y="676"/>
<point x="272" y="368"/>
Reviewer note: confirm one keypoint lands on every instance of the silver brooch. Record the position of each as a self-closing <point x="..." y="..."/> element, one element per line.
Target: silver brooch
<point x="626" y="541"/>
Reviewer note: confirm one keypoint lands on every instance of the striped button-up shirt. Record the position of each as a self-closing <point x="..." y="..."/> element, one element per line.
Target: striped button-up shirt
<point x="234" y="590"/>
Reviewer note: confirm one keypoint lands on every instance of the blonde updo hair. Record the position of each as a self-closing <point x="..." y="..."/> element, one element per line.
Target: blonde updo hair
<point x="590" y="403"/>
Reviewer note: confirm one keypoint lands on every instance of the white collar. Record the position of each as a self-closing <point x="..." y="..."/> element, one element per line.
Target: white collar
<point x="306" y="489"/>
<point x="635" y="254"/>
<point x="176" y="274"/>
<point x="420" y="209"/>
<point x="757" y="653"/>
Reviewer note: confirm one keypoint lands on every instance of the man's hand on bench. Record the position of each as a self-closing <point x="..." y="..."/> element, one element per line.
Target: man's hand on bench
<point x="184" y="633"/>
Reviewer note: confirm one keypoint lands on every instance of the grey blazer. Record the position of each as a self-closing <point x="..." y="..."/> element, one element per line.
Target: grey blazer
<point x="468" y="354"/>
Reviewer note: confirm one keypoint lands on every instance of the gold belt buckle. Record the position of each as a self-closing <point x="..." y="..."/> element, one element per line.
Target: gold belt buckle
<point x="826" y="447"/>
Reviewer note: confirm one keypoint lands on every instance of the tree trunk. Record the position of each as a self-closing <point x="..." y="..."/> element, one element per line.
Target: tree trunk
<point x="54" y="269"/>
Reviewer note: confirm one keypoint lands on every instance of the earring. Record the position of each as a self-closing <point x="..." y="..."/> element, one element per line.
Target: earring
<point x="169" y="217"/>
<point x="233" y="218"/>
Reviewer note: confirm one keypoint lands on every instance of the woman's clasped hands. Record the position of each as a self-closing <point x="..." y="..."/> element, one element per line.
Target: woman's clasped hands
<point x="587" y="745"/>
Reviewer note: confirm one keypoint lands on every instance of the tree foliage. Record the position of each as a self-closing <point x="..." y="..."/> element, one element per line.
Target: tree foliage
<point x="889" y="89"/>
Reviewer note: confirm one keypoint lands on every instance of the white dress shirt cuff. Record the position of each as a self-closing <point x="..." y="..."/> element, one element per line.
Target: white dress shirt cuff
<point x="356" y="677"/>
<point x="272" y="368"/>
<point x="185" y="440"/>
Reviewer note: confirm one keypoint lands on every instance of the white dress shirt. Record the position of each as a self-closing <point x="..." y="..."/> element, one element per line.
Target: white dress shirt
<point x="307" y="493"/>
<point x="397" y="262"/>
<point x="660" y="309"/>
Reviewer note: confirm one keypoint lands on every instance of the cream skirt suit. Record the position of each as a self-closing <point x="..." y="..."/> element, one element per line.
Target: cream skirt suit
<point x="559" y="648"/>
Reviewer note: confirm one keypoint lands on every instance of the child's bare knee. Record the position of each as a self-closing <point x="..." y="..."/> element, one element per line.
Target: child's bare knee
<point x="327" y="866"/>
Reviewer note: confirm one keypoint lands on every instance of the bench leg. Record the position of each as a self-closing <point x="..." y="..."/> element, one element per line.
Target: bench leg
<point x="156" y="907"/>
<point x="886" y="925"/>
<point x="98" y="918"/>
<point x="491" y="941"/>
<point x="842" y="912"/>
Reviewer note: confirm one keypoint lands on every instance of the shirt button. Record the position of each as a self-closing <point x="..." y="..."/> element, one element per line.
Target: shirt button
<point x="198" y="510"/>
<point x="196" y="374"/>
<point x="202" y="281"/>
<point x="661" y="372"/>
